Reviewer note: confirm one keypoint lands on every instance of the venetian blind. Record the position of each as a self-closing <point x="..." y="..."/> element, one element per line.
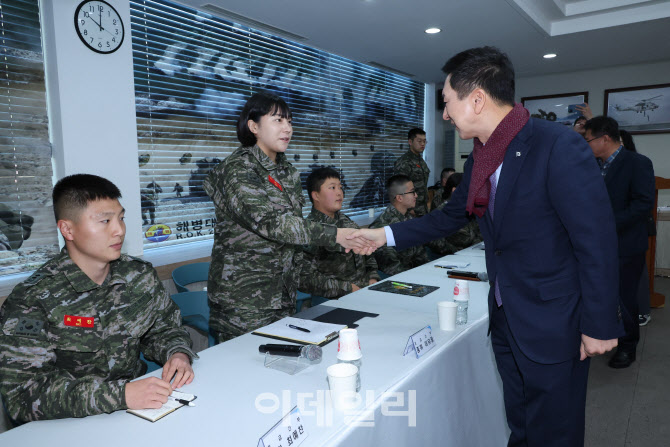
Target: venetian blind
<point x="193" y="74"/>
<point x="27" y="228"/>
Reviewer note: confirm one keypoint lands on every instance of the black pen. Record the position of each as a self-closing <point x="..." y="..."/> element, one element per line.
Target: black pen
<point x="298" y="328"/>
<point x="183" y="401"/>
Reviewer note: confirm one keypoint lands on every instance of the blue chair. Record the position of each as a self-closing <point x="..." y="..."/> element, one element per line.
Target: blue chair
<point x="194" y="311"/>
<point x="382" y="275"/>
<point x="299" y="299"/>
<point x="188" y="274"/>
<point x="151" y="366"/>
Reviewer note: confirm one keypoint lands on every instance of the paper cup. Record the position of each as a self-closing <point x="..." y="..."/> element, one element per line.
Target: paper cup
<point x="348" y="346"/>
<point x="446" y="315"/>
<point x="342" y="383"/>
<point x="461" y="290"/>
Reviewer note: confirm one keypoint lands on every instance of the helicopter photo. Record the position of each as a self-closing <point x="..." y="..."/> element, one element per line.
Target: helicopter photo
<point x="643" y="106"/>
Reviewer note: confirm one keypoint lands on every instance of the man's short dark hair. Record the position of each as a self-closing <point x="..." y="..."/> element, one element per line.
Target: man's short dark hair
<point x="73" y="193"/>
<point x="259" y="105"/>
<point x="318" y="177"/>
<point x="395" y="185"/>
<point x="446" y="171"/>
<point x="414" y="132"/>
<point x="487" y="68"/>
<point x="603" y="125"/>
<point x="453" y="181"/>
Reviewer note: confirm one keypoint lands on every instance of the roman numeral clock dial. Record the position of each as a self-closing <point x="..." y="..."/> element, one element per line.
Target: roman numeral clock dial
<point x="99" y="26"/>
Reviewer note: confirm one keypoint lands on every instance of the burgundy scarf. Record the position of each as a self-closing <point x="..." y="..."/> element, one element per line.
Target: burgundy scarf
<point x="487" y="159"/>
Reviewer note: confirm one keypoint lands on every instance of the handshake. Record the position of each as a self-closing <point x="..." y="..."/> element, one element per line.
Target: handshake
<point x="362" y="241"/>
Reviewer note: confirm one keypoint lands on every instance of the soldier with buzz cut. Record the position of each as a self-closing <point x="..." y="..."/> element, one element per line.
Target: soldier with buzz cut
<point x="332" y="272"/>
<point x="71" y="334"/>
<point x="402" y="195"/>
<point x="413" y="166"/>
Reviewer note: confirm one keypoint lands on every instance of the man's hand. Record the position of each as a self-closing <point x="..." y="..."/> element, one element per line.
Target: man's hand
<point x="591" y="347"/>
<point x="372" y="281"/>
<point x="374" y="236"/>
<point x="359" y="245"/>
<point x="151" y="392"/>
<point x="354" y="287"/>
<point x="179" y="367"/>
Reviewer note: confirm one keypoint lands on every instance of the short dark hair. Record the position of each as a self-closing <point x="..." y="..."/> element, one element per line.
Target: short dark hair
<point x="73" y="193"/>
<point x="414" y="132"/>
<point x="603" y="125"/>
<point x="318" y="177"/>
<point x="394" y="185"/>
<point x="627" y="140"/>
<point x="485" y="67"/>
<point x="259" y="105"/>
<point x="453" y="181"/>
<point x="446" y="171"/>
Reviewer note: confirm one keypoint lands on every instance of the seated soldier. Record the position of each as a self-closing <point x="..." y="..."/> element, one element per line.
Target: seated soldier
<point x="330" y="272"/>
<point x="71" y="334"/>
<point x="402" y="195"/>
<point x="441" y="194"/>
<point x="463" y="238"/>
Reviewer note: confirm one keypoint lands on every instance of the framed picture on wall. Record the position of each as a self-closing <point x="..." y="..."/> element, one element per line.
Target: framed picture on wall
<point x="560" y="108"/>
<point x="644" y="109"/>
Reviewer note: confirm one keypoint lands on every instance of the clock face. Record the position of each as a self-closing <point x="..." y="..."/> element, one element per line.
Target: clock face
<point x="99" y="26"/>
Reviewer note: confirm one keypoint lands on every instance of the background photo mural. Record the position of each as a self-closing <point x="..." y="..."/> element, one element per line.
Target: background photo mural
<point x="193" y="74"/>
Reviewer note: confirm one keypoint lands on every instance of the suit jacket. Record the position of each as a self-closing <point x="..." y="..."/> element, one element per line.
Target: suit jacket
<point x="631" y="186"/>
<point x="551" y="245"/>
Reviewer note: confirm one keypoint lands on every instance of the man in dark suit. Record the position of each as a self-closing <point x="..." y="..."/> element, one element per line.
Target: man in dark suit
<point x="550" y="247"/>
<point x="630" y="182"/>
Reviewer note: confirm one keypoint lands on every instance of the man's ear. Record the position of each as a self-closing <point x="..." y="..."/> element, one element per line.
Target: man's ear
<point x="478" y="97"/>
<point x="66" y="229"/>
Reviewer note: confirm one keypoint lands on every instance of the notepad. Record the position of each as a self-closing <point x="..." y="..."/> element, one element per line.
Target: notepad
<point x="452" y="264"/>
<point x="154" y="414"/>
<point x="319" y="333"/>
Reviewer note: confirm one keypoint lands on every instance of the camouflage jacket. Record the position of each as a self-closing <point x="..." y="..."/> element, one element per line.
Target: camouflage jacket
<point x="257" y="238"/>
<point x="68" y="345"/>
<point x="329" y="272"/>
<point x="414" y="167"/>
<point x="438" y="199"/>
<point x="389" y="260"/>
<point x="463" y="238"/>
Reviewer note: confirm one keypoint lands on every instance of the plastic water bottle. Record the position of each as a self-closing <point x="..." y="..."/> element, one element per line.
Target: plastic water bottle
<point x="461" y="312"/>
<point x="356" y="363"/>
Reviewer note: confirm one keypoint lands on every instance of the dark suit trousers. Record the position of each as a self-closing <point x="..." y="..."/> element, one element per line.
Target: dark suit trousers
<point x="630" y="272"/>
<point x="545" y="404"/>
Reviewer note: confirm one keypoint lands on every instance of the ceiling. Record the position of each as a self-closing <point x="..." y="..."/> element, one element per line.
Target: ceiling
<point x="585" y="34"/>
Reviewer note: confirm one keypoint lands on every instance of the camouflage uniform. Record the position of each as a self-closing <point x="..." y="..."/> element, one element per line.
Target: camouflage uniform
<point x="463" y="238"/>
<point x="257" y="241"/>
<point x="329" y="272"/>
<point x="49" y="370"/>
<point x="438" y="198"/>
<point x="414" y="167"/>
<point x="390" y="260"/>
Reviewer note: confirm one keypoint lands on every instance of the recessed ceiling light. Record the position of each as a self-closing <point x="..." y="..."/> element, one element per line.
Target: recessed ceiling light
<point x="549" y="55"/>
<point x="433" y="30"/>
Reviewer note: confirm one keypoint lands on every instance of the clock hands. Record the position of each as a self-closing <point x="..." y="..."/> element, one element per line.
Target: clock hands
<point x="99" y="24"/>
<point x="100" y="19"/>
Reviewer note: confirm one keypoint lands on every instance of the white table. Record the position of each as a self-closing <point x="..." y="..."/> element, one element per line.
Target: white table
<point x="458" y="394"/>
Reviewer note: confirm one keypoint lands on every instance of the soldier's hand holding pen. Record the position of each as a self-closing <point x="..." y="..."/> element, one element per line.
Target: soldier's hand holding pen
<point x="151" y="392"/>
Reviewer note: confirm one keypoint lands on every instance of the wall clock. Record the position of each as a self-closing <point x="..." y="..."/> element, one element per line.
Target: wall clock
<point x="99" y="26"/>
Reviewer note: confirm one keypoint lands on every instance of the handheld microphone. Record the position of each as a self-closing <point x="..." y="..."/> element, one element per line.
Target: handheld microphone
<point x="309" y="352"/>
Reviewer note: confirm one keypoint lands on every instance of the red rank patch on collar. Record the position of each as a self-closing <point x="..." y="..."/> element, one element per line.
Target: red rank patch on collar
<point x="275" y="182"/>
<point x="418" y="165"/>
<point x="74" y="320"/>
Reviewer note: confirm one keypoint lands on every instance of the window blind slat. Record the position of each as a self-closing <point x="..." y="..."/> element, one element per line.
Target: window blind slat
<point x="193" y="73"/>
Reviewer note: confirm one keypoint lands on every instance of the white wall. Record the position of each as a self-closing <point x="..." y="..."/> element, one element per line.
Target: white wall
<point x="91" y="103"/>
<point x="656" y="146"/>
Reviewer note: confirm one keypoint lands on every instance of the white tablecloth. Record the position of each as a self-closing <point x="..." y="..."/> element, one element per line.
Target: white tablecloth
<point x="458" y="393"/>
